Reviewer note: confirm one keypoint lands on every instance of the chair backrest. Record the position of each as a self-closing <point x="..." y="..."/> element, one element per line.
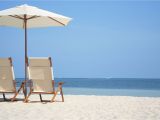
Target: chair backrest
<point x="40" y="72"/>
<point x="6" y="75"/>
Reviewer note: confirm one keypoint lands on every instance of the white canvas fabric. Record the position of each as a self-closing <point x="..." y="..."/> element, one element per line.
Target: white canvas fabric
<point x="6" y="76"/>
<point x="42" y="62"/>
<point x="42" y="18"/>
<point x="40" y="72"/>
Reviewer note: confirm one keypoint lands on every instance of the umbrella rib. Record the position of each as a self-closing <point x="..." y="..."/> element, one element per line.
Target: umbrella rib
<point x="35" y="16"/>
<point x="56" y="21"/>
<point x="16" y="16"/>
<point x="19" y="17"/>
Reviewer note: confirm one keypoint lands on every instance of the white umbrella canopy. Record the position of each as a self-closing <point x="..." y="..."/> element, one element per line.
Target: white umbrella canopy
<point x="35" y="17"/>
<point x="26" y="16"/>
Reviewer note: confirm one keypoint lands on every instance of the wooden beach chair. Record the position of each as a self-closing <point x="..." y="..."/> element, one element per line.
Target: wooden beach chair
<point x="41" y="78"/>
<point x="7" y="79"/>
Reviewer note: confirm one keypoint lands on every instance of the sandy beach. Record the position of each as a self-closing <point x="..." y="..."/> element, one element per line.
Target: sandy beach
<point x="82" y="107"/>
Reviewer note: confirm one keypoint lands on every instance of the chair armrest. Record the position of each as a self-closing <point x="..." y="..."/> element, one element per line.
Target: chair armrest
<point x="59" y="83"/>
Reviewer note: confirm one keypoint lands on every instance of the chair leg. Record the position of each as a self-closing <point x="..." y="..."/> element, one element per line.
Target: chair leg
<point x="52" y="100"/>
<point x="61" y="92"/>
<point x="4" y="97"/>
<point x="26" y="100"/>
<point x="14" y="97"/>
<point x="22" y="85"/>
<point x="40" y="97"/>
<point x="24" y="93"/>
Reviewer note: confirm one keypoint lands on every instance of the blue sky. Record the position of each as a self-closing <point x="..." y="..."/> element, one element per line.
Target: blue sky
<point x="105" y="39"/>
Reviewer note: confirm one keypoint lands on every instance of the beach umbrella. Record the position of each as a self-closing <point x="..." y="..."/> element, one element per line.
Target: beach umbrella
<point x="26" y="16"/>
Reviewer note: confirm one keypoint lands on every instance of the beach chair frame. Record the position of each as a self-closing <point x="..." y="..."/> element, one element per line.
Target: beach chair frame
<point x="55" y="92"/>
<point x="16" y="92"/>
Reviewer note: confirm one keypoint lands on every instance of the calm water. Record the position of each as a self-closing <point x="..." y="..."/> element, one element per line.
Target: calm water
<point x="113" y="86"/>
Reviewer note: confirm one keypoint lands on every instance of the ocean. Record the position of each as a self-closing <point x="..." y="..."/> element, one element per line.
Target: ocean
<point x="139" y="87"/>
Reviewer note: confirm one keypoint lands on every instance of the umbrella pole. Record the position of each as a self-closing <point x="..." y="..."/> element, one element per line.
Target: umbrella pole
<point x="26" y="61"/>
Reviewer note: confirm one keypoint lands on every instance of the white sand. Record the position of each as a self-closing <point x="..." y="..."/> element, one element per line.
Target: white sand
<point x="80" y="107"/>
